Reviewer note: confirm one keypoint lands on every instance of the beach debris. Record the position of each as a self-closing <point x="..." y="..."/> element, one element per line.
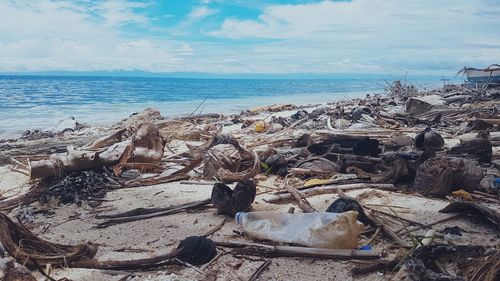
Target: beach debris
<point x="439" y="176"/>
<point x="147" y="213"/>
<point x="196" y="250"/>
<point x="260" y="126"/>
<point x="304" y="140"/>
<point x="32" y="251"/>
<point x="358" y="145"/>
<point x="69" y="125"/>
<point x="344" y="204"/>
<point x="229" y="202"/>
<point x="10" y="270"/>
<point x="255" y="249"/>
<point x="276" y="164"/>
<point x="132" y="123"/>
<point x="342" y="124"/>
<point x="79" y="186"/>
<point x="418" y="105"/>
<point x="429" y="140"/>
<point x="280" y="198"/>
<point x="145" y="147"/>
<point x="319" y="230"/>
<point x="479" y="149"/>
<point x="428" y="262"/>
<point x="316" y="166"/>
<point x="474" y="208"/>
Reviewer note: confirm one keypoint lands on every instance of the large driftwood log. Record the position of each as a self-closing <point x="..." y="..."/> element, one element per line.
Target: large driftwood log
<point x="146" y="146"/>
<point x="76" y="160"/>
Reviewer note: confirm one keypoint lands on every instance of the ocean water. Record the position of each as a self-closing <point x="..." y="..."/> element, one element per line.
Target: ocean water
<point x="30" y="102"/>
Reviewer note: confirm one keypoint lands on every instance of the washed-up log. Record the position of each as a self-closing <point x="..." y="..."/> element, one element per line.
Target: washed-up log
<point x="440" y="175"/>
<point x="474" y="208"/>
<point x="76" y="160"/>
<point x="286" y="197"/>
<point x="146" y="146"/>
<point x="30" y="250"/>
<point x="292" y="251"/>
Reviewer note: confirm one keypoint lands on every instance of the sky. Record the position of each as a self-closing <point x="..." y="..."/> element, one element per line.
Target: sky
<point x="249" y="37"/>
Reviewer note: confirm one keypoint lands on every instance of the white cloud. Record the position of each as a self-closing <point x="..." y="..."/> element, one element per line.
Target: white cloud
<point x="375" y="34"/>
<point x="199" y="13"/>
<point x="116" y="12"/>
<point x="325" y="37"/>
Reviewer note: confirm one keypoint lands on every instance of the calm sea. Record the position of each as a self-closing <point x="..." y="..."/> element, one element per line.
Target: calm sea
<point x="29" y="102"/>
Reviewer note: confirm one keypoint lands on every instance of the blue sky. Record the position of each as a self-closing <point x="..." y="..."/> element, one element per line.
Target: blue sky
<point x="249" y="37"/>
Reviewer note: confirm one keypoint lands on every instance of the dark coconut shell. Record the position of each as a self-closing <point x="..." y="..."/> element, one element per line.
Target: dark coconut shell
<point x="196" y="250"/>
<point x="229" y="202"/>
<point x="344" y="204"/>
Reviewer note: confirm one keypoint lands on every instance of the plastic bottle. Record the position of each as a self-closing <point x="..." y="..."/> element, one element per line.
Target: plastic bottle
<point x="318" y="230"/>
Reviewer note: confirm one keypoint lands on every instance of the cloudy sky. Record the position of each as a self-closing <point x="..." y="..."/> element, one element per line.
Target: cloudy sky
<point x="249" y="36"/>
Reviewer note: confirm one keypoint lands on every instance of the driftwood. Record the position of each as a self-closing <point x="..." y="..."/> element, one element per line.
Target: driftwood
<point x="29" y="149"/>
<point x="255" y="249"/>
<point x="286" y="197"/>
<point x="474" y="208"/>
<point x="147" y="213"/>
<point x="76" y="160"/>
<point x="301" y="202"/>
<point x="146" y="146"/>
<point x="146" y="263"/>
<point x="259" y="270"/>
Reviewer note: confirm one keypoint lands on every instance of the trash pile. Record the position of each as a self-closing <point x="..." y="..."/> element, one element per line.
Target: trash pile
<point x="407" y="181"/>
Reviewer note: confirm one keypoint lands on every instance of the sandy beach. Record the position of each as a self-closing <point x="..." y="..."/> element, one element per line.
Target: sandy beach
<point x="404" y="210"/>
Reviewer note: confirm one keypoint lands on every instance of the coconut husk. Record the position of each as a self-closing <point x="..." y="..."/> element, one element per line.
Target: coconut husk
<point x="32" y="251"/>
<point x="440" y="175"/>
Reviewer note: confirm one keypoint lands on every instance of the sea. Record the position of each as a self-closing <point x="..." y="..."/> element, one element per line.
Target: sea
<point x="40" y="102"/>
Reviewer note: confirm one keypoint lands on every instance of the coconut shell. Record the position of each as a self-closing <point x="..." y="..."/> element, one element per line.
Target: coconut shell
<point x="440" y="175"/>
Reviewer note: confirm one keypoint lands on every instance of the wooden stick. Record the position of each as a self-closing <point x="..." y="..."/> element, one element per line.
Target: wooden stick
<point x="293" y="251"/>
<point x="301" y="202"/>
<point x="216" y="228"/>
<point x="328" y="189"/>
<point x="398" y="217"/>
<point x="259" y="270"/>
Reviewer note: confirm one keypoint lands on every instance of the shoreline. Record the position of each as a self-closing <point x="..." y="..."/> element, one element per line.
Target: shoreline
<point x="221" y="106"/>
